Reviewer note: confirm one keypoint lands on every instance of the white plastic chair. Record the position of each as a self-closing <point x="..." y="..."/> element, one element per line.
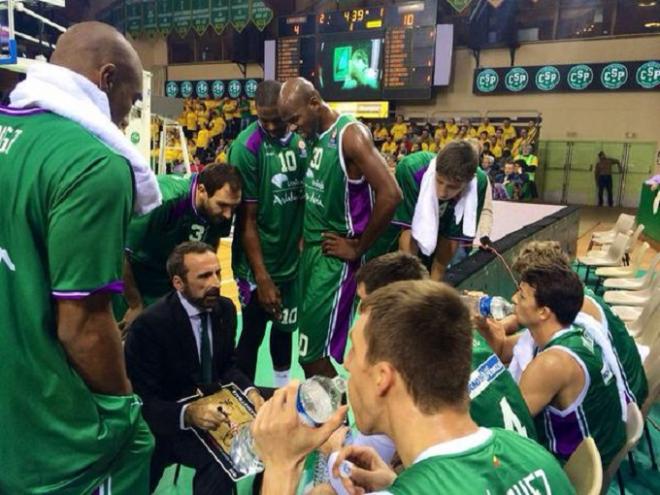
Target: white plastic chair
<point x="647" y="333"/>
<point x="631" y="297"/>
<point x="613" y="256"/>
<point x="584" y="468"/>
<point x="634" y="430"/>
<point x="635" y="283"/>
<point x="643" y="314"/>
<point x="626" y="271"/>
<point x="623" y="224"/>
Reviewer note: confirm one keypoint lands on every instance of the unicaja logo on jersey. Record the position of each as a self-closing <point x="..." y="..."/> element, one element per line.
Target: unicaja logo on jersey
<point x="279" y="180"/>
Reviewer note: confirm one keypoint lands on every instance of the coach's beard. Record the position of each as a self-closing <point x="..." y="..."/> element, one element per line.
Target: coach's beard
<point x="207" y="301"/>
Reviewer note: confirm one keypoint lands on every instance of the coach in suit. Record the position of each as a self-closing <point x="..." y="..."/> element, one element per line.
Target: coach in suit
<point x="182" y="343"/>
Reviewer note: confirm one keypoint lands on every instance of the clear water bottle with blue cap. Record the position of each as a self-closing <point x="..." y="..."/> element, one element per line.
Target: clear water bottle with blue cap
<point x="318" y="398"/>
<point x="494" y="306"/>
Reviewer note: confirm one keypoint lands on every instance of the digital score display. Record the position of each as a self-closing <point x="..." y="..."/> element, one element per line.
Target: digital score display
<point x="408" y="65"/>
<point x="288" y="58"/>
<point x="299" y="25"/>
<point x="351" y="20"/>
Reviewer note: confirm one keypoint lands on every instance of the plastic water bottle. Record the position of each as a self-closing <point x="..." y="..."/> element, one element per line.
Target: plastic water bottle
<point x="317" y="400"/>
<point x="495" y="306"/>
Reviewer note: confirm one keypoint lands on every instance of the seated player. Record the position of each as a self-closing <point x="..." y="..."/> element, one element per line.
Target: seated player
<point x="569" y="387"/>
<point x="447" y="202"/>
<point x="394" y="390"/>
<point x="195" y="208"/>
<point x="607" y="322"/>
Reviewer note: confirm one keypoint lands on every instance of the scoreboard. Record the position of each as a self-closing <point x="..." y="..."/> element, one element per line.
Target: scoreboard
<point x="404" y="69"/>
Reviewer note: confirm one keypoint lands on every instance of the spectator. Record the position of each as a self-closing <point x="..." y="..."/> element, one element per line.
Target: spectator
<point x="402" y="151"/>
<point x="443" y="138"/>
<point x="483" y="137"/>
<point x="191" y="121"/>
<point x="399" y="129"/>
<point x="495" y="148"/>
<point x="522" y="139"/>
<point x="487" y="163"/>
<point x="486" y="127"/>
<point x="380" y="133"/>
<point x="603" y="176"/>
<point x="202" y="116"/>
<point x="452" y="128"/>
<point x="229" y="108"/>
<point x="500" y="138"/>
<point x="425" y="141"/>
<point x="389" y="146"/>
<point x="244" y="109"/>
<point x="530" y="159"/>
<point x="440" y="128"/>
<point x="508" y="131"/>
<point x="218" y="126"/>
<point x="462" y="133"/>
<point x="203" y="139"/>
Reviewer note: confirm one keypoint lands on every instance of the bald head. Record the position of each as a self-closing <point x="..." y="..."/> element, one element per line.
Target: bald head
<point x="300" y="105"/>
<point x="100" y="53"/>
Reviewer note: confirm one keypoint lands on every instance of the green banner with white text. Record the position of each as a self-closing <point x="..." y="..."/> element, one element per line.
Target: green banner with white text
<point x="239" y="14"/>
<point x="260" y="14"/>
<point x="201" y="15"/>
<point x="182" y="17"/>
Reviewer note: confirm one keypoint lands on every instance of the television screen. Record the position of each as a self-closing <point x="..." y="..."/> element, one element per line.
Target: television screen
<point x="350" y="66"/>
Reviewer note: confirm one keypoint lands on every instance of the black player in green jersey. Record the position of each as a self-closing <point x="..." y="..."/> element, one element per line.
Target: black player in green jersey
<point x="350" y="198"/>
<point x="265" y="249"/>
<point x="195" y="208"/>
<point x="395" y="388"/>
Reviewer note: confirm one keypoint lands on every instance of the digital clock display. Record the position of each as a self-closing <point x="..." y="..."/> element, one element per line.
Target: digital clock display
<point x="351" y="20"/>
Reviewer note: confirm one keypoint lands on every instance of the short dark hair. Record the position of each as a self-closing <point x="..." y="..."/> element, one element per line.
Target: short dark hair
<point x="175" y="264"/>
<point x="415" y="323"/>
<point x="556" y="287"/>
<point x="457" y="161"/>
<point x="390" y="268"/>
<point x="216" y="175"/>
<point x="267" y="94"/>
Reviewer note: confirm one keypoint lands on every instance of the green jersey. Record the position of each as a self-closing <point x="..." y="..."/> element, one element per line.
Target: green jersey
<point x="490" y="461"/>
<point x="409" y="174"/>
<point x="272" y="172"/>
<point x="625" y="350"/>
<point x="333" y="202"/>
<point x="65" y="204"/>
<point x="495" y="399"/>
<point x="597" y="410"/>
<point x="152" y="237"/>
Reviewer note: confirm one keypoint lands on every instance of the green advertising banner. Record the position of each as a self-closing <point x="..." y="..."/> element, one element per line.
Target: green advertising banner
<point x="134" y="17"/>
<point x="182" y="17"/>
<point x="165" y="16"/>
<point x="260" y="14"/>
<point x="615" y="76"/>
<point x="219" y="15"/>
<point x="459" y="5"/>
<point x="201" y="15"/>
<point x="239" y="14"/>
<point x="150" y="17"/>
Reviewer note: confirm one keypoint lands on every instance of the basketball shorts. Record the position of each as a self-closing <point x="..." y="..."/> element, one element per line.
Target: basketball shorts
<point x="289" y="291"/>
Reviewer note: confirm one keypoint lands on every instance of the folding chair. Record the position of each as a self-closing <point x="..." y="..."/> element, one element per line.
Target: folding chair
<point x="584" y="468"/>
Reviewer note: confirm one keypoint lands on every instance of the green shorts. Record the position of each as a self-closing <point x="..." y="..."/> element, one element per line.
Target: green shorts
<point x="328" y="287"/>
<point x="290" y="293"/>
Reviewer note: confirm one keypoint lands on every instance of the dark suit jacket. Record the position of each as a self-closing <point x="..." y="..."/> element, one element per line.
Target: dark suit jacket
<point x="162" y="359"/>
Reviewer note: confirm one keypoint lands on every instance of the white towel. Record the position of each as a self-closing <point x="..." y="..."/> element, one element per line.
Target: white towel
<point x="523" y="353"/>
<point x="426" y="219"/>
<point x="72" y="96"/>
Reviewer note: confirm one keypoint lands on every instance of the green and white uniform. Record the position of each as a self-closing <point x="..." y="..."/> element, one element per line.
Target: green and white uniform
<point x="409" y="174"/>
<point x="495" y="399"/>
<point x="272" y="172"/>
<point x="490" y="461"/>
<point x="333" y="203"/>
<point x="626" y="351"/>
<point x="152" y="237"/>
<point x="65" y="204"/>
<point x="597" y="410"/>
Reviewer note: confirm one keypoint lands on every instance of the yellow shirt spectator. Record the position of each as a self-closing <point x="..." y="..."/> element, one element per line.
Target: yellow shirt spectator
<point x="181" y="119"/>
<point x="472" y="132"/>
<point x="218" y="126"/>
<point x="389" y="147"/>
<point x="253" y="108"/>
<point x="496" y="151"/>
<point x="381" y="134"/>
<point x="452" y="130"/>
<point x="508" y="132"/>
<point x="211" y="104"/>
<point x="398" y="131"/>
<point x="221" y="157"/>
<point x="229" y="109"/>
<point x="432" y="147"/>
<point x="202" y="118"/>
<point x="191" y="120"/>
<point x="489" y="129"/>
<point x="203" y="138"/>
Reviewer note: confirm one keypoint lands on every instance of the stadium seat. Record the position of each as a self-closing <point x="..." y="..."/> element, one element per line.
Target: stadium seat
<point x="625" y="271"/>
<point x="584" y="468"/>
<point x="635" y="283"/>
<point x="613" y="256"/>
<point x="631" y="297"/>
<point x="623" y="224"/>
<point x="652" y="370"/>
<point x="634" y="430"/>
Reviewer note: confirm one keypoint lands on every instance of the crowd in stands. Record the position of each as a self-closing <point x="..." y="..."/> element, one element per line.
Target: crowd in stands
<point x="506" y="151"/>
